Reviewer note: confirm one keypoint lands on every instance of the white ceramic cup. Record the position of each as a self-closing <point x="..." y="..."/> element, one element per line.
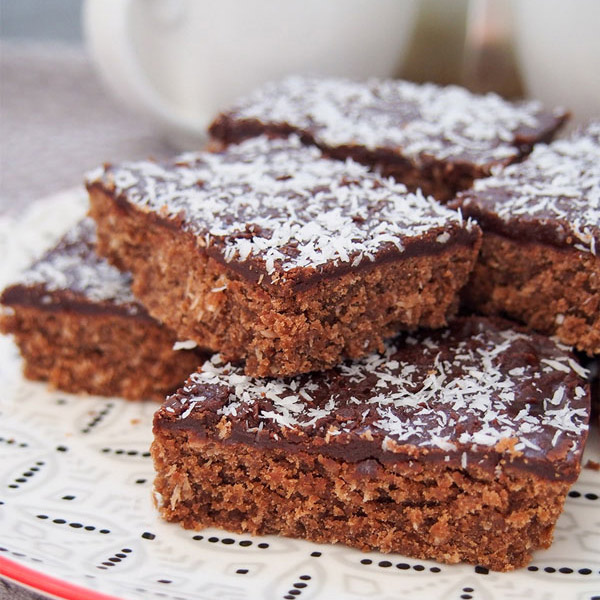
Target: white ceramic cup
<point x="558" y="46"/>
<point x="181" y="61"/>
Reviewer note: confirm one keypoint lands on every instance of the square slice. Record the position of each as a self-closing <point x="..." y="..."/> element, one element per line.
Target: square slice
<point x="435" y="138"/>
<point x="79" y="327"/>
<point x="272" y="254"/>
<point x="540" y="262"/>
<point x="455" y="445"/>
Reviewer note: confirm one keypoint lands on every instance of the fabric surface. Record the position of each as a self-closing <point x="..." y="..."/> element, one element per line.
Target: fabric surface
<point x="57" y="121"/>
<point x="12" y="591"/>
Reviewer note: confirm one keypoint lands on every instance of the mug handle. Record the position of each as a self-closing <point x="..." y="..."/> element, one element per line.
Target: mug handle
<point x="107" y="28"/>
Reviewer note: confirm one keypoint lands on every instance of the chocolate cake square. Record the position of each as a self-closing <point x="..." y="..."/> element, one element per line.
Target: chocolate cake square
<point x="270" y="253"/>
<point x="435" y="138"/>
<point x="79" y="327"/>
<point x="455" y="445"/>
<point x="539" y="260"/>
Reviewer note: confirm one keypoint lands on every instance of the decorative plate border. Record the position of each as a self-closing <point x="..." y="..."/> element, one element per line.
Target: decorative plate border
<point x="39" y="582"/>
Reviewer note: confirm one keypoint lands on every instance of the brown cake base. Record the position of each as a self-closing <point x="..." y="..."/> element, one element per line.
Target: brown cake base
<point x="553" y="290"/>
<point x="104" y="354"/>
<point x="277" y="330"/>
<point x="428" y="511"/>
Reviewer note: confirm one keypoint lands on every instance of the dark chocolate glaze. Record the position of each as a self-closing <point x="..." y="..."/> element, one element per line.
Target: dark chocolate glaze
<point x="227" y="129"/>
<point x="220" y="201"/>
<point x="382" y="106"/>
<point x="521" y="404"/>
<point x="552" y="198"/>
<point x="71" y="277"/>
<point x="301" y="279"/>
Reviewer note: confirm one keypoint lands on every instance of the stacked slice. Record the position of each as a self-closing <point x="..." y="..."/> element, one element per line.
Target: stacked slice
<point x="540" y="260"/>
<point x="271" y="253"/>
<point x="80" y="328"/>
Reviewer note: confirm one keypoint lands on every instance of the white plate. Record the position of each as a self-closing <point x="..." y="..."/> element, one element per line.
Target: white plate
<point x="76" y="513"/>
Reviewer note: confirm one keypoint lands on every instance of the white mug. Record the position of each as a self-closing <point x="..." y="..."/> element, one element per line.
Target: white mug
<point x="558" y="46"/>
<point x="182" y="61"/>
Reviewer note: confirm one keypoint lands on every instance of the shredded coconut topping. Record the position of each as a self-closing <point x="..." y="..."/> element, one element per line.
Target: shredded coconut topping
<point x="461" y="389"/>
<point x="418" y="119"/>
<point x="557" y="188"/>
<point x="282" y="205"/>
<point x="73" y="266"/>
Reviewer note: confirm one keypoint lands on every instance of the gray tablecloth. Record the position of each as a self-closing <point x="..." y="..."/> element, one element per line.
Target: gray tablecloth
<point x="57" y="121"/>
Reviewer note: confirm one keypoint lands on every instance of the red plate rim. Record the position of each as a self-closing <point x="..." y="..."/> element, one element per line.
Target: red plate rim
<point x="47" y="583"/>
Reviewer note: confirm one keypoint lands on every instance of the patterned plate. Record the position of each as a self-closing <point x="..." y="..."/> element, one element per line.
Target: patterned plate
<point x="77" y="519"/>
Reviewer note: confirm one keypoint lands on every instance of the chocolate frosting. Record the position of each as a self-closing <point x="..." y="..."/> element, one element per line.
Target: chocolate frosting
<point x="70" y="276"/>
<point x="479" y="394"/>
<point x="278" y="211"/>
<point x="420" y="122"/>
<point x="552" y="197"/>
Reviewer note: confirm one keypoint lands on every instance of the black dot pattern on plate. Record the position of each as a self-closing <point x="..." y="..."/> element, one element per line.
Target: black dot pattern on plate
<point x="12" y="442"/>
<point x="481" y="570"/>
<point x="401" y="566"/>
<point x="585" y="496"/>
<point x="115" y="559"/>
<point x="147" y="593"/>
<point x="229" y="541"/>
<point x="26" y="475"/>
<point x="300" y="585"/>
<point x="148" y="536"/>
<point x="583" y="571"/>
<point x="73" y="524"/>
<point x="4" y="550"/>
<point x="97" y="419"/>
<point x="467" y="593"/>
<point x="122" y="452"/>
